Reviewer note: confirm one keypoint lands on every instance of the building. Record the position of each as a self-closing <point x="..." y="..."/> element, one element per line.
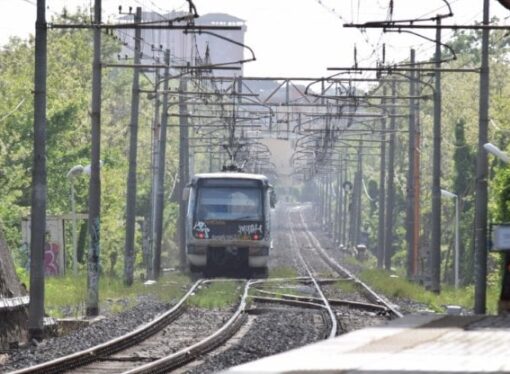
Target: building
<point x="208" y="47"/>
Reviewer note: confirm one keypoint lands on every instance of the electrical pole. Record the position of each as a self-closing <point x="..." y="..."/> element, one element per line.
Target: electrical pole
<point x="324" y="200"/>
<point x="183" y="170"/>
<point x="353" y="200"/>
<point x="95" y="180"/>
<point x="39" y="186"/>
<point x="417" y="176"/>
<point x="345" y="211"/>
<point x="340" y="198"/>
<point x="338" y="205"/>
<point x="160" y="203"/>
<point x="129" y="254"/>
<point x="356" y="200"/>
<point x="410" y="235"/>
<point x="435" y="244"/>
<point x="480" y="242"/>
<point x="480" y="255"/>
<point x="388" y="247"/>
<point x="358" y="197"/>
<point x="321" y="201"/>
<point x="332" y="200"/>
<point x="156" y="129"/>
<point x="209" y="150"/>
<point x="382" y="190"/>
<point x="328" y="202"/>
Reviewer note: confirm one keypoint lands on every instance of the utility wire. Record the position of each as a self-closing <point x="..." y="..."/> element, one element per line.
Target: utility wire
<point x="5" y="116"/>
<point x="30" y="2"/>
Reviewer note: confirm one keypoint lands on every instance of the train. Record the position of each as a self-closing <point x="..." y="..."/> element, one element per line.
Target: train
<point x="228" y="223"/>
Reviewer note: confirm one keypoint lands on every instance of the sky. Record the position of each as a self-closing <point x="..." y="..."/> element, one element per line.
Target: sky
<point x="291" y="38"/>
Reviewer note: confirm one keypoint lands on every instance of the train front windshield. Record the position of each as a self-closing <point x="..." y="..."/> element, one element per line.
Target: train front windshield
<point x="229" y="203"/>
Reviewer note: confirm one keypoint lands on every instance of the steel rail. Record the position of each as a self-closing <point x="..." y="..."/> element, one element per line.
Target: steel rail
<point x="336" y="302"/>
<point x="334" y="323"/>
<point x="112" y="346"/>
<point x="296" y="303"/>
<point x="300" y="303"/>
<point x="177" y="359"/>
<point x="305" y="280"/>
<point x="341" y="270"/>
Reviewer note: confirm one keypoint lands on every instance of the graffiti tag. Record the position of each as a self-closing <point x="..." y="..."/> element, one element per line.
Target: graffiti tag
<point x="200" y="226"/>
<point x="249" y="229"/>
<point x="51" y="265"/>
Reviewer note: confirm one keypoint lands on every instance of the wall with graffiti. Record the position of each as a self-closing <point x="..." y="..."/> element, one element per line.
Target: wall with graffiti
<point x="54" y="249"/>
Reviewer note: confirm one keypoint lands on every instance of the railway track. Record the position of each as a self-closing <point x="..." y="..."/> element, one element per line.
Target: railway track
<point x="371" y="295"/>
<point x="143" y="350"/>
<point x="341" y="270"/>
<point x="310" y="294"/>
<point x="323" y="299"/>
<point x="281" y="313"/>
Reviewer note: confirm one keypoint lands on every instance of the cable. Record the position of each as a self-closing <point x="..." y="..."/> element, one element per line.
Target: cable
<point x="5" y="116"/>
<point x="30" y="2"/>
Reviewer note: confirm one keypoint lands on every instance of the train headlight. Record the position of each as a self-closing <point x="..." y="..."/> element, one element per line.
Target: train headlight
<point x="200" y="235"/>
<point x="256" y="236"/>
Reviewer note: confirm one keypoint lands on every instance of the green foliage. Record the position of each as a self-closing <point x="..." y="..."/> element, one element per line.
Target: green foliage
<point x="67" y="295"/>
<point x="398" y="287"/>
<point x="68" y="139"/>
<point x="217" y="295"/>
<point x="347" y="287"/>
<point x="23" y="275"/>
<point x="468" y="43"/>
<point x="459" y="139"/>
<point x="464" y="158"/>
<point x="464" y="186"/>
<point x="373" y="192"/>
<point x="501" y="190"/>
<point x="62" y="292"/>
<point x="283" y="272"/>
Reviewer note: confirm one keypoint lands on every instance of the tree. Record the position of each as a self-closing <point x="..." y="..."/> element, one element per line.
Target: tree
<point x="68" y="131"/>
<point x="463" y="185"/>
<point x="14" y="326"/>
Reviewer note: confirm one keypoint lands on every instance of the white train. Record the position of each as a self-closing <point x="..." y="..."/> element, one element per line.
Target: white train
<point x="228" y="222"/>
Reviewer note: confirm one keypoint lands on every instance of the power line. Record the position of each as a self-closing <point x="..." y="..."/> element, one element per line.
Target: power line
<point x="5" y="116"/>
<point x="30" y="2"/>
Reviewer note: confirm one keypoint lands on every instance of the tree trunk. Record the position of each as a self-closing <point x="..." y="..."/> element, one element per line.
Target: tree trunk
<point x="13" y="320"/>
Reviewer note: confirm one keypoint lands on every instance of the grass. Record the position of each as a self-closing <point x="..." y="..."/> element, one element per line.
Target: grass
<point x="67" y="295"/>
<point x="217" y="295"/>
<point x="290" y="288"/>
<point x="283" y="272"/>
<point x="346" y="286"/>
<point x="395" y="286"/>
<point x="290" y="272"/>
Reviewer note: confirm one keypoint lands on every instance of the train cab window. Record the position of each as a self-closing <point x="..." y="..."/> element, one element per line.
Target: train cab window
<point x="229" y="203"/>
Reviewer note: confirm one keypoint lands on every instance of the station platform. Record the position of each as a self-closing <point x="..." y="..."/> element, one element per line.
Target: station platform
<point x="427" y="343"/>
